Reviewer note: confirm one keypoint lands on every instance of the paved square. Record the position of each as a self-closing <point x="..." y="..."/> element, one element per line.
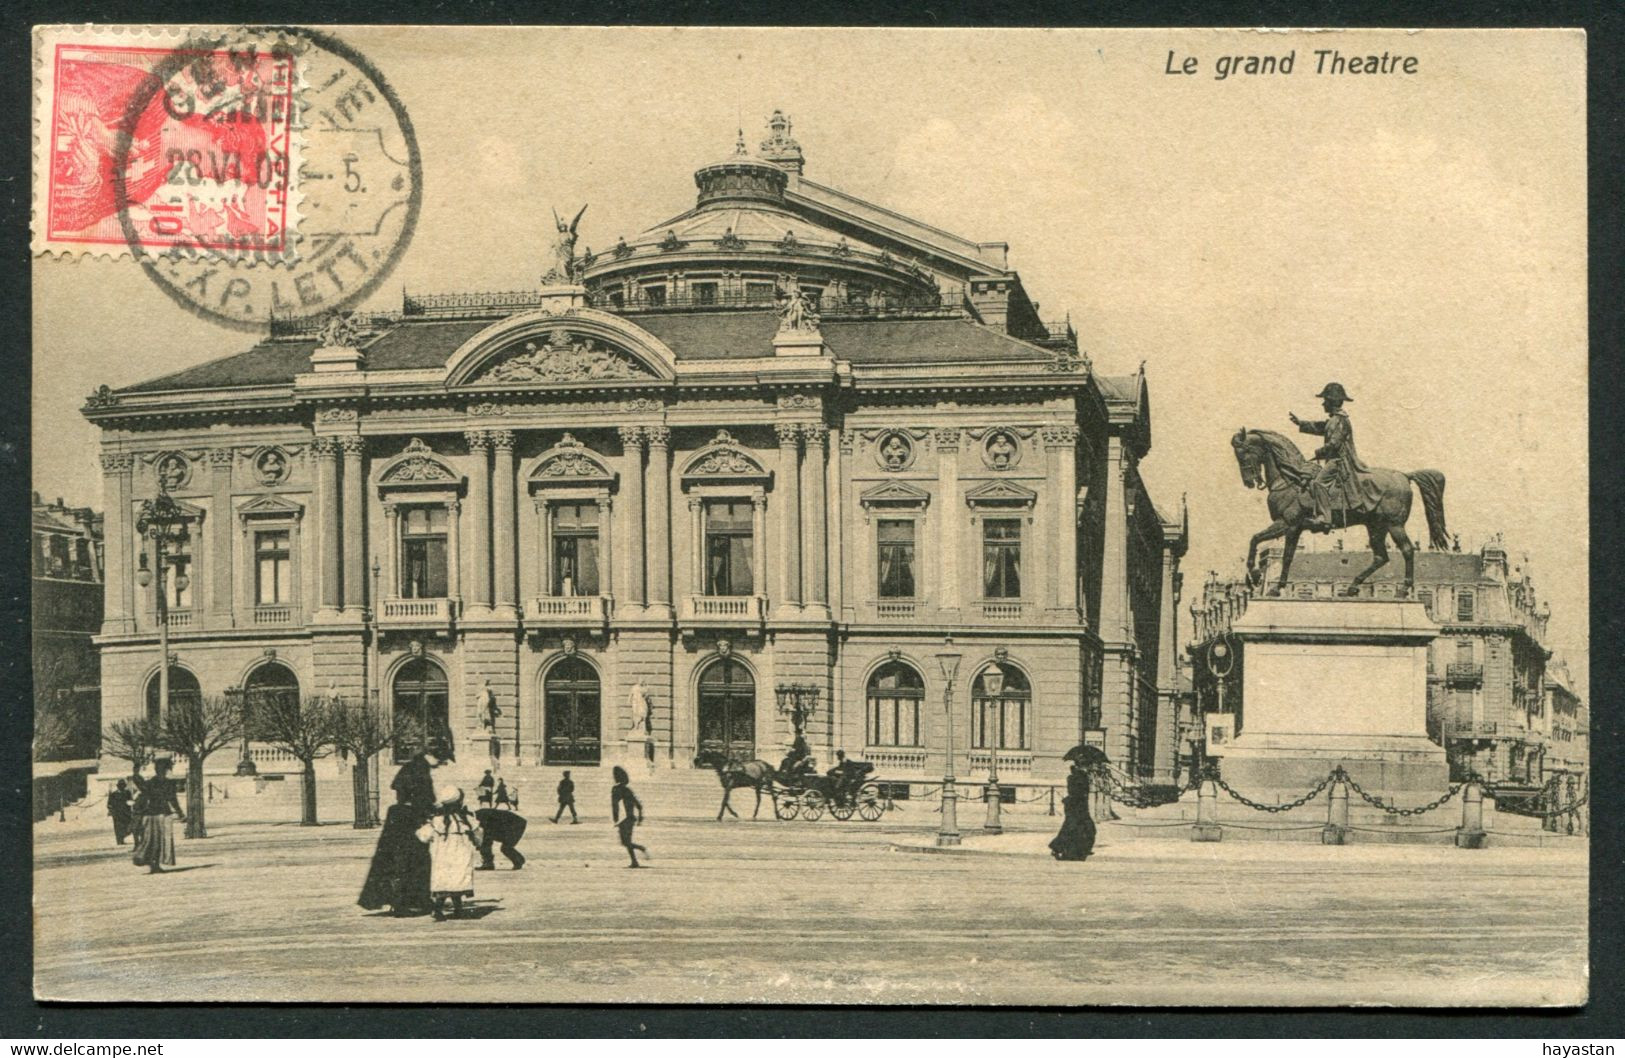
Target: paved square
<point x="821" y="913"/>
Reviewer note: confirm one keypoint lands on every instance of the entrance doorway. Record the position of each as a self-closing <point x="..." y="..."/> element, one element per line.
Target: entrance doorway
<point x="571" y="696"/>
<point x="420" y="695"/>
<point x="728" y="710"/>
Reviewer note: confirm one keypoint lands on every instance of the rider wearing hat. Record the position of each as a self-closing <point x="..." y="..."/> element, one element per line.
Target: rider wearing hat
<point x="1343" y="470"/>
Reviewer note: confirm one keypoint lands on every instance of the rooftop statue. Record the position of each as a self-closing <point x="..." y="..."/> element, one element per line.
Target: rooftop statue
<point x="797" y="310"/>
<point x="566" y="269"/>
<point x="1338" y="493"/>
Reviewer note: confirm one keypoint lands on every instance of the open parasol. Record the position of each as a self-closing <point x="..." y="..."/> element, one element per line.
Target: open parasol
<point x="1086" y="755"/>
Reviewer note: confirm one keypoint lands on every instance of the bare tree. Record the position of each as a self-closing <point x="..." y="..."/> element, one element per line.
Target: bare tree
<point x="54" y="724"/>
<point x="305" y="731"/>
<point x="361" y="730"/>
<point x="196" y="730"/>
<point x="135" y="741"/>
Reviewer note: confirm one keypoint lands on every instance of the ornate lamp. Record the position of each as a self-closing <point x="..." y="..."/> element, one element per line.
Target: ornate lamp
<point x="162" y="520"/>
<point x="948" y="661"/>
<point x="797" y="701"/>
<point x="993" y="684"/>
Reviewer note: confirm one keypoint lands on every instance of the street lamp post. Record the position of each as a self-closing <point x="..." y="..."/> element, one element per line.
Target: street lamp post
<point x="372" y="689"/>
<point x="163" y="521"/>
<point x="949" y="833"/>
<point x="993" y="684"/>
<point x="798" y="701"/>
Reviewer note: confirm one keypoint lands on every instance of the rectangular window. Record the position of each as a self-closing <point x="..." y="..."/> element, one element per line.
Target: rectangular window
<point x="704" y="293"/>
<point x="894" y="719"/>
<point x="1464" y="651"/>
<point x="1000" y="723"/>
<point x="1001" y="558"/>
<point x="575" y="548"/>
<point x="1464" y="604"/>
<point x="729" y="528"/>
<point x="759" y="293"/>
<point x="896" y="549"/>
<point x="423" y="553"/>
<point x="654" y="294"/>
<point x="273" y="564"/>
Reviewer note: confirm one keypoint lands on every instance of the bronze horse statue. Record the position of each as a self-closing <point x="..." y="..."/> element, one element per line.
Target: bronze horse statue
<point x="734" y="775"/>
<point x="1270" y="461"/>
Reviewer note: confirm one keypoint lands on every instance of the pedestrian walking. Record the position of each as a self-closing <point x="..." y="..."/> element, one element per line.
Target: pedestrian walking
<point x="398" y="877"/>
<point x="485" y="786"/>
<point x="503" y="799"/>
<point x="118" y="807"/>
<point x="156" y="809"/>
<point x="621" y="795"/>
<point x="502" y="828"/>
<point x="567" y="799"/>
<point x="1076" y="838"/>
<point x="453" y="838"/>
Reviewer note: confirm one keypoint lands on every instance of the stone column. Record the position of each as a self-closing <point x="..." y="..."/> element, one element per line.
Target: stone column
<point x="814" y="513"/>
<point x="1115" y="623"/>
<point x="479" y="504"/>
<point x="454" y="551"/>
<point x="659" y="514"/>
<point x="789" y="482"/>
<point x="355" y="562"/>
<point x="503" y="513"/>
<point x="326" y="450"/>
<point x="118" y="571"/>
<point x="221" y="598"/>
<point x="1062" y="441"/>
<point x="758" y="545"/>
<point x="949" y="518"/>
<point x="1167" y="733"/>
<point x="392" y="552"/>
<point x="632" y="479"/>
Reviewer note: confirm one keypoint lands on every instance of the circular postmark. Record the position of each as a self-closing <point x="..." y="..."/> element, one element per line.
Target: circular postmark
<point x="266" y="175"/>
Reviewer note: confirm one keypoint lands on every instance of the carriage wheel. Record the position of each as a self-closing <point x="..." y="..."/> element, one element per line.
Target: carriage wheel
<point x="870" y="807"/>
<point x="841" y="810"/>
<point x="787" y="808"/>
<point x="812" y="805"/>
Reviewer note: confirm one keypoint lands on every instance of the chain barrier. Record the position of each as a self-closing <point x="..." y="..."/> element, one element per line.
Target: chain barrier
<point x="1525" y="804"/>
<point x="1394" y="810"/>
<point x="1259" y="806"/>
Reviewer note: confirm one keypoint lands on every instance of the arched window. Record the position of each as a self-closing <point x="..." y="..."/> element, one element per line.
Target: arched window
<point x="267" y="687"/>
<point x="421" y="695"/>
<point x="895" y="694"/>
<point x="183" y="689"/>
<point x="572" y="694"/>
<point x="1000" y="718"/>
<point x="728" y="710"/>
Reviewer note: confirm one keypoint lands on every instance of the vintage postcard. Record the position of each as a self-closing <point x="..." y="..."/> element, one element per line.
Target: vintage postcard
<point x="810" y="516"/>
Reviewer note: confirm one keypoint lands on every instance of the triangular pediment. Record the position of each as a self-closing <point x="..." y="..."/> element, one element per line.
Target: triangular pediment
<point x="1001" y="493"/>
<point x="270" y="507"/>
<point x="895" y="493"/>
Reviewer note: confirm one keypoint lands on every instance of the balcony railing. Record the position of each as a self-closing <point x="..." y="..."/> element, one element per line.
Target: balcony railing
<point x="417" y="613"/>
<point x="889" y="760"/>
<point x="896" y="609"/>
<point x="739" y="608"/>
<point x="179" y="619"/>
<point x="1003" y="609"/>
<point x="1471" y="729"/>
<point x="566" y="609"/>
<point x="1012" y="762"/>
<point x="272" y="615"/>
<point x="1464" y="672"/>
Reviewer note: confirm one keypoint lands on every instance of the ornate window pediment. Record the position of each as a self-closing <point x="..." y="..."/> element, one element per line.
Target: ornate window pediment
<point x="271" y="507"/>
<point x="570" y="463"/>
<point x="723" y="460"/>
<point x="416" y="466"/>
<point x="1002" y="494"/>
<point x="560" y="357"/>
<point x="895" y="494"/>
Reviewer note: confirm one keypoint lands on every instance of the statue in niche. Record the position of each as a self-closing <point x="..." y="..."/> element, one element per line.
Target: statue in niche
<point x="272" y="467"/>
<point x="1001" y="451"/>
<point x="171" y="472"/>
<point x="895" y="452"/>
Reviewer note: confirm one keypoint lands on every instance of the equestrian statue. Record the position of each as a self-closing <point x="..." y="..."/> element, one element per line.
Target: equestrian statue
<point x="1338" y="493"/>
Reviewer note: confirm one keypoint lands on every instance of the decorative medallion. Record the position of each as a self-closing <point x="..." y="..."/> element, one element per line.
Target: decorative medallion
<point x="271" y="466"/>
<point x="486" y="410"/>
<point x="1000" y="450"/>
<point x="564" y="358"/>
<point x="174" y="471"/>
<point x="895" y="451"/>
<point x="725" y="647"/>
<point x="569" y="645"/>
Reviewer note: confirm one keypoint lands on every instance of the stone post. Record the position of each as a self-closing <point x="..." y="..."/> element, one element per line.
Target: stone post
<point x="1336" y="831"/>
<point x="1207" y="813"/>
<point x="326" y="450"/>
<point x="355" y="564"/>
<point x="117" y="543"/>
<point x="1471" y="833"/>
<point x="632" y="480"/>
<point x="503" y="514"/>
<point x="479" y="504"/>
<point x="658" y="494"/>
<point x="789" y="482"/>
<point x="221" y="597"/>
<point x="814" y="515"/>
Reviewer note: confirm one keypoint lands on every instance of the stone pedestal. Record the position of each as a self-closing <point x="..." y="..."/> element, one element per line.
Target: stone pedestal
<point x="1328" y="682"/>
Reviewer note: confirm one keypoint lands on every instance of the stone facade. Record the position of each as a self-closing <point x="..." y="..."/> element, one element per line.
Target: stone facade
<point x="67" y="614"/>
<point x="580" y="526"/>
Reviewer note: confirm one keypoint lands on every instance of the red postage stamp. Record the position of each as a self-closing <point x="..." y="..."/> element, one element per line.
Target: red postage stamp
<point x="166" y="149"/>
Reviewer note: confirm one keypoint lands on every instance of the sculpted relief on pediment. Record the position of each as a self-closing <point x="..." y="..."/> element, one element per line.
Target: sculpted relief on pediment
<point x="563" y="358"/>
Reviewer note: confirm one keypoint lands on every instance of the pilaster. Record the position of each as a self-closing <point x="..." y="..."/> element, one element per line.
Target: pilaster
<point x="946" y="440"/>
<point x="1061" y="443"/>
<point x="815" y="511"/>
<point x="1116" y="621"/>
<point x="326" y="451"/>
<point x="118" y="544"/>
<point x="658" y="494"/>
<point x="479" y="506"/>
<point x="632" y="483"/>
<point x="789" y="482"/>
<point x="221" y="597"/>
<point x="355" y="564"/>
<point x="503" y="514"/>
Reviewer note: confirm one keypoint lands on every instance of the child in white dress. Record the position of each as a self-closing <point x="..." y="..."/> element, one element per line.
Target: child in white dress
<point x="453" y="839"/>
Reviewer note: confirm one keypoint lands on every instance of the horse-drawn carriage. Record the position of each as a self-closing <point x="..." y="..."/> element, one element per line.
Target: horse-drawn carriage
<point x="802" y="794"/>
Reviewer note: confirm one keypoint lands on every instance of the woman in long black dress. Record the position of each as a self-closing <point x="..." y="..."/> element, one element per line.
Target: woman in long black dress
<point x="399" y="875"/>
<point x="1076" y="838"/>
<point x="156" y="809"/>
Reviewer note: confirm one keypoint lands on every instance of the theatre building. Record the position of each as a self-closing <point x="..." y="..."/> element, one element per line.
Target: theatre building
<point x="787" y="441"/>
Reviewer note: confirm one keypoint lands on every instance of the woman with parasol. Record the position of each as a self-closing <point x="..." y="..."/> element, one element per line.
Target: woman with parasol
<point x="1076" y="838"/>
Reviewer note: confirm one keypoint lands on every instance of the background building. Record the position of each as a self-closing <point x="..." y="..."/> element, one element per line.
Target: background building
<point x="786" y="439"/>
<point x="1489" y="703"/>
<point x="67" y="591"/>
